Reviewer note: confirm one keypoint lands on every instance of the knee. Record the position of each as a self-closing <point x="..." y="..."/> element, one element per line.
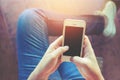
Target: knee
<point x="30" y="15"/>
<point x="29" y="18"/>
<point x="26" y="15"/>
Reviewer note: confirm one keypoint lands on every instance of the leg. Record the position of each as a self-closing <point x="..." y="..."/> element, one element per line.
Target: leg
<point x="32" y="42"/>
<point x="95" y="23"/>
<point x="102" y="23"/>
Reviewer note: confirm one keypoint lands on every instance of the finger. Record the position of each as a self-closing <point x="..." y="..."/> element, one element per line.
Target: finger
<point x="77" y="60"/>
<point x="85" y="46"/>
<point x="88" y="50"/>
<point x="59" y="51"/>
<point x="87" y="42"/>
<point x="56" y="43"/>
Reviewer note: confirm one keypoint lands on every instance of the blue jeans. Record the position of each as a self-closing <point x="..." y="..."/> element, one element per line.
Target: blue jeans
<point x="34" y="25"/>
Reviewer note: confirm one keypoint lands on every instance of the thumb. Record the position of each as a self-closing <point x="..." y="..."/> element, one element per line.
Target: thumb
<point x="59" y="51"/>
<point x="77" y="60"/>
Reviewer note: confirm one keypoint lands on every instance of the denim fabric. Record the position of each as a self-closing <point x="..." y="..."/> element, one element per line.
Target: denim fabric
<point x="32" y="42"/>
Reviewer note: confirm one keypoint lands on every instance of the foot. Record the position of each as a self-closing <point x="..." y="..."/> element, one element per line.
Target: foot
<point x="110" y="11"/>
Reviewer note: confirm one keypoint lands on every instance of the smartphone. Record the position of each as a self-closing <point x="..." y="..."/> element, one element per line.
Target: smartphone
<point x="73" y="33"/>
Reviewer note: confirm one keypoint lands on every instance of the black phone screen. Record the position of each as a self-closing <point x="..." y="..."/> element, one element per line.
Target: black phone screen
<point x="73" y="39"/>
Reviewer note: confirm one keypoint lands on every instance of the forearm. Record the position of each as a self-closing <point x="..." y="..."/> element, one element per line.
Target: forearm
<point x="99" y="76"/>
<point x="37" y="76"/>
<point x="39" y="73"/>
<point x="94" y="76"/>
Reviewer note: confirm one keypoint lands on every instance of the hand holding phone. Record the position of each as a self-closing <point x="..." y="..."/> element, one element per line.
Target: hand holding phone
<point x="73" y="32"/>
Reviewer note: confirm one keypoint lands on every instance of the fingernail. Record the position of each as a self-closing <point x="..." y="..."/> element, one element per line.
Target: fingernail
<point x="66" y="47"/>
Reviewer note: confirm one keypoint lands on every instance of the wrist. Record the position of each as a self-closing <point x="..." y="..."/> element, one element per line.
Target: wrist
<point x="42" y="77"/>
<point x="99" y="76"/>
<point x="94" y="76"/>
